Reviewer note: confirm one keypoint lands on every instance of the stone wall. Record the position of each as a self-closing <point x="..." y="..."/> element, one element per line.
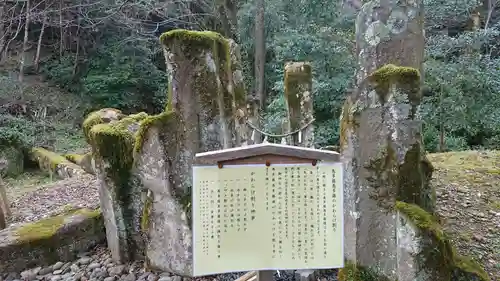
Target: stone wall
<point x="50" y="240"/>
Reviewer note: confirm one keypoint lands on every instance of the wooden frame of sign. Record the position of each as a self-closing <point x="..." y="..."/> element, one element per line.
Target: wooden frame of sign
<point x="251" y="205"/>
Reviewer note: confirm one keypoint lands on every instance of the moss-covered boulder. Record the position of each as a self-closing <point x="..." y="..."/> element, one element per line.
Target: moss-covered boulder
<point x="85" y="161"/>
<point x="104" y="115"/>
<point x="113" y="151"/>
<point x="53" y="239"/>
<point x="425" y="253"/>
<point x="144" y="162"/>
<point x="436" y="256"/>
<point x="54" y="164"/>
<point x="74" y="158"/>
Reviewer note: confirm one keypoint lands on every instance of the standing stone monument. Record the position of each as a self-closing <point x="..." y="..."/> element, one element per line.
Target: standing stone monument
<point x="144" y="162"/>
<point x="389" y="203"/>
<point x="298" y="97"/>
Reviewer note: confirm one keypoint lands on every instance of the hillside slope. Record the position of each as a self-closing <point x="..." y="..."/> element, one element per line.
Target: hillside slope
<point x="468" y="195"/>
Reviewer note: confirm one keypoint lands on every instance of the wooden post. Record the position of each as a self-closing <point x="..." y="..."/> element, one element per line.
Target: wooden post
<point x="4" y="207"/>
<point x="265" y="275"/>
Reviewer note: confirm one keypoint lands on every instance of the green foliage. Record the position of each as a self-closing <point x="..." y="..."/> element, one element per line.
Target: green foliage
<point x="465" y="101"/>
<point x="440" y="14"/>
<point x="118" y="74"/>
<point x="18" y="132"/>
<point x="461" y="68"/>
<point x="314" y="31"/>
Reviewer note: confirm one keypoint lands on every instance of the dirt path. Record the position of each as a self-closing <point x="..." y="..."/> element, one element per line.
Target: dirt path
<point x="468" y="199"/>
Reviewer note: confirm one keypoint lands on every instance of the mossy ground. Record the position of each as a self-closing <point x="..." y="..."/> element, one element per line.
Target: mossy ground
<point x="468" y="197"/>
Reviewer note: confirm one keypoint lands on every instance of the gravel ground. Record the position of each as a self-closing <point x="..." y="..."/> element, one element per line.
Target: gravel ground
<point x="55" y="198"/>
<point x="97" y="265"/>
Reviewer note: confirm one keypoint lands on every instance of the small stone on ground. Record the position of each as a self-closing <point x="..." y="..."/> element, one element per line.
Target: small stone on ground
<point x="97" y="265"/>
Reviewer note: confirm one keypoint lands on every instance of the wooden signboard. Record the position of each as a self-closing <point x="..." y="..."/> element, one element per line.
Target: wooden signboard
<point x="265" y="207"/>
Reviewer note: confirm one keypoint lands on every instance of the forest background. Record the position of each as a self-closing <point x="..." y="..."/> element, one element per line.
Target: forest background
<point x="61" y="59"/>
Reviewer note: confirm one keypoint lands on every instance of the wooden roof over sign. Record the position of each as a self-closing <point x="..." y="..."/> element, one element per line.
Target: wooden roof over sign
<point x="265" y="149"/>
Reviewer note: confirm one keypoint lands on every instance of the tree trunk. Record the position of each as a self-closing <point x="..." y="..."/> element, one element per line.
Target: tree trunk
<point x="4" y="201"/>
<point x="25" y="41"/>
<point x="3" y="32"/>
<point x="3" y="221"/>
<point x="61" y="29"/>
<point x="260" y="62"/>
<point x="4" y="204"/>
<point x="5" y="48"/>
<point x="232" y="17"/>
<point x="260" y="53"/>
<point x="39" y="45"/>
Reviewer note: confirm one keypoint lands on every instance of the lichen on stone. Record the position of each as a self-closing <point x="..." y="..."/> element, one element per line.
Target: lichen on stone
<point x="298" y="79"/>
<point x="438" y="255"/>
<point x="376" y="33"/>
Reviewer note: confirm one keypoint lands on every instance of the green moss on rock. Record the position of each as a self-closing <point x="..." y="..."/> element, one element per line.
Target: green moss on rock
<point x="104" y="115"/>
<point x="48" y="227"/>
<point x="194" y="43"/>
<point x="346" y="122"/>
<point x="407" y="79"/>
<point x="438" y="254"/>
<point x="204" y="39"/>
<point x="46" y="159"/>
<point x="114" y="143"/>
<point x="353" y="272"/>
<point x="146" y="124"/>
<point x="146" y="212"/>
<point x="74" y="158"/>
<point x="208" y="40"/>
